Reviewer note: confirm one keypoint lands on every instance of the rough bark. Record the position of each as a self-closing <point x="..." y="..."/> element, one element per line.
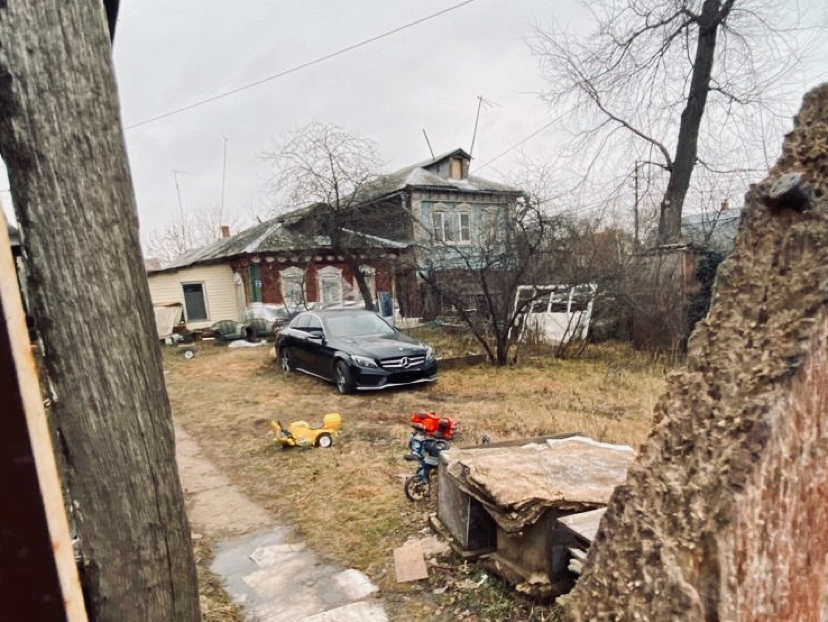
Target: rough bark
<point x="723" y="515"/>
<point x="714" y="14"/>
<point x="60" y="137"/>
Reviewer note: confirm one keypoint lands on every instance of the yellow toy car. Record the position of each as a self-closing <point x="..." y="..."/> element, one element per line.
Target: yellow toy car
<point x="300" y="434"/>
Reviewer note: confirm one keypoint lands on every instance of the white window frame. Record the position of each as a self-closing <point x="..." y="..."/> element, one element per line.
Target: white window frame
<point x="464" y="210"/>
<point x="491" y="226"/>
<point x="438" y="230"/>
<point x="447" y="225"/>
<point x="328" y="274"/>
<point x="292" y="276"/>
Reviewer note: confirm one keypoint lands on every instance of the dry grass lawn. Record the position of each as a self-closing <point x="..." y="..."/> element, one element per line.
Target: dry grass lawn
<point x="347" y="502"/>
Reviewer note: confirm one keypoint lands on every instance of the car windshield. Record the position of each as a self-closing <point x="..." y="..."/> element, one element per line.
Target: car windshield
<point x="356" y="325"/>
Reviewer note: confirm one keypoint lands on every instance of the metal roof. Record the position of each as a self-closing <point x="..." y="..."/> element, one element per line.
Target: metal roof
<point x="278" y="234"/>
<point x="273" y="236"/>
<point x="420" y="175"/>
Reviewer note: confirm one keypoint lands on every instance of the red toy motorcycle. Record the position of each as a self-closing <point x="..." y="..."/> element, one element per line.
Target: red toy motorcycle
<point x="430" y="436"/>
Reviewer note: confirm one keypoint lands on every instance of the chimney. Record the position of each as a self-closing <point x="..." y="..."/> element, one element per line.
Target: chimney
<point x="724" y="206"/>
<point x="225" y="231"/>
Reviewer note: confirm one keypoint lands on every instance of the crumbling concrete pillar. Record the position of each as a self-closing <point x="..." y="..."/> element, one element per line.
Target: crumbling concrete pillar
<point x="724" y="516"/>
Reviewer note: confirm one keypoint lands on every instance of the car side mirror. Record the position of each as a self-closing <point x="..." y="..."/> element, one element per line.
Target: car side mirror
<point x="316" y="333"/>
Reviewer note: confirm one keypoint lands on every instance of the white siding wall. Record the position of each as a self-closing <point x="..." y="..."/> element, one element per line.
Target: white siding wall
<point x="219" y="292"/>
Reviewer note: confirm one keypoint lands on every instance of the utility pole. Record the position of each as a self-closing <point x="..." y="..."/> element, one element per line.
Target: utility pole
<point x="181" y="208"/>
<point x="635" y="205"/>
<point x="223" y="178"/>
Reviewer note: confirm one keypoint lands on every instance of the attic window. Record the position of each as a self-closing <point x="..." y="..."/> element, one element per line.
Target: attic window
<point x="456" y="168"/>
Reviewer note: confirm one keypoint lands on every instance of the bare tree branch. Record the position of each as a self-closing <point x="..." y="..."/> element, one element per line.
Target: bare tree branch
<point x="681" y="77"/>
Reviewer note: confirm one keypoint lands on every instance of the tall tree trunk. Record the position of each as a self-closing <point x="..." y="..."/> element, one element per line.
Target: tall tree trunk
<point x="714" y="13"/>
<point x="60" y="137"/>
<point x="338" y="245"/>
<point x="362" y="283"/>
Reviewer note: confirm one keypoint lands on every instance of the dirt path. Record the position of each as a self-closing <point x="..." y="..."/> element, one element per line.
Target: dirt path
<point x="271" y="574"/>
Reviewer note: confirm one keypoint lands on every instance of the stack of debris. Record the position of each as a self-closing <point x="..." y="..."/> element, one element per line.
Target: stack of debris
<point x="505" y="502"/>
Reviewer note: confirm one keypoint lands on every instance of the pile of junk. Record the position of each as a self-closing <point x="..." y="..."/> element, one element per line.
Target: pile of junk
<point x="530" y="508"/>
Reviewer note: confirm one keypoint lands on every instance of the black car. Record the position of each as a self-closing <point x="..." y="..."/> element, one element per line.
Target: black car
<point x="357" y="350"/>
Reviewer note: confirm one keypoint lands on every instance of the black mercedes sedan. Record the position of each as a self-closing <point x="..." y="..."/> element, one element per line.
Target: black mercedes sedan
<point x="355" y="349"/>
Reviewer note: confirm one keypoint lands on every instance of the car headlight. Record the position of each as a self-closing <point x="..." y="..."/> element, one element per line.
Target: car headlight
<point x="429" y="353"/>
<point x="363" y="361"/>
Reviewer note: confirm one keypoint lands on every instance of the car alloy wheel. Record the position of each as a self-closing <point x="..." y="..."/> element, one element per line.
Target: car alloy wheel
<point x="344" y="382"/>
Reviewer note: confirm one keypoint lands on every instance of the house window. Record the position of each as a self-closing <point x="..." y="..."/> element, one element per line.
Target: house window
<point x="437" y="226"/>
<point x="195" y="302"/>
<point x="254" y="272"/>
<point x="330" y="286"/>
<point x="293" y="285"/>
<point x="490" y="224"/>
<point x="451" y="226"/>
<point x="448" y="227"/>
<point x="464" y="227"/>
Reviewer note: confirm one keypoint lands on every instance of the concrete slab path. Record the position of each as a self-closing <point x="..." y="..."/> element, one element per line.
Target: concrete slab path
<point x="274" y="577"/>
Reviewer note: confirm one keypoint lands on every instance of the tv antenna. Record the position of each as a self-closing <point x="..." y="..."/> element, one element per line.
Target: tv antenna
<point x="480" y="103"/>
<point x="428" y="142"/>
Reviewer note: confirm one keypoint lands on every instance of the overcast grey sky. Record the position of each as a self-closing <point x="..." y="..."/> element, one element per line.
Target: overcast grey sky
<point x="427" y="76"/>
<point x="171" y="53"/>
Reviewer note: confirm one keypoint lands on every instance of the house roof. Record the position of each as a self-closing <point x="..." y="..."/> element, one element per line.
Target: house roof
<point x="278" y="234"/>
<point x="273" y="236"/>
<point x="422" y="175"/>
<point x="152" y="264"/>
<point x="717" y="231"/>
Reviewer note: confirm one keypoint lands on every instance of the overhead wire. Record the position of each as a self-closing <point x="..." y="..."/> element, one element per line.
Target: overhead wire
<point x="286" y="72"/>
<point x="525" y="140"/>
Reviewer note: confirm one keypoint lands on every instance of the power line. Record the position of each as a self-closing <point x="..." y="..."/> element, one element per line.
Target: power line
<point x="525" y="140"/>
<point x="281" y="74"/>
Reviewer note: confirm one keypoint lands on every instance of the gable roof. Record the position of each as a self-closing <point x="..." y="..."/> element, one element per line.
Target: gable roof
<point x="272" y="236"/>
<point x="279" y="235"/>
<point x="423" y="175"/>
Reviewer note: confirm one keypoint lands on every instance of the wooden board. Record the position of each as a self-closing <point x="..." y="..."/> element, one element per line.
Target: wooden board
<point x="409" y="563"/>
<point x="37" y="567"/>
<point x="584" y="524"/>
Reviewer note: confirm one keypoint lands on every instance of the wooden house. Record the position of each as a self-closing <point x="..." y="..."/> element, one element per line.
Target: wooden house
<point x="418" y="218"/>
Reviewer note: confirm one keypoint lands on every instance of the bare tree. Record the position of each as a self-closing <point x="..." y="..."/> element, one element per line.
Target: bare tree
<point x="60" y="136"/>
<point x="192" y="229"/>
<point x="325" y="166"/>
<point x="673" y="78"/>
<point x="479" y="283"/>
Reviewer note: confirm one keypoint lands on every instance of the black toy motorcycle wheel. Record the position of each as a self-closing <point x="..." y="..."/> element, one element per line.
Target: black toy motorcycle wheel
<point x="417" y="489"/>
